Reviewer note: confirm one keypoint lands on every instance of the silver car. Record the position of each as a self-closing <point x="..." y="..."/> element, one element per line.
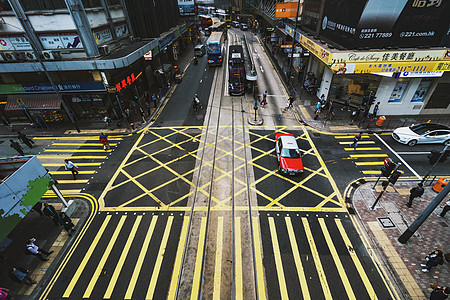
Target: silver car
<point x="426" y="133"/>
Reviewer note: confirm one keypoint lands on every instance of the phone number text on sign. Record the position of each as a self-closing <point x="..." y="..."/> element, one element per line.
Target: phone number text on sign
<point x="375" y="35"/>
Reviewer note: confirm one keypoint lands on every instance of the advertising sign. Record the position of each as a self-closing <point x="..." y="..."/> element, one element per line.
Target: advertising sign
<point x="47" y="87"/>
<point x="186" y="7"/>
<point x="399" y="90"/>
<point x="420" y="74"/>
<point x="286" y="10"/>
<point x="421" y="91"/>
<point x="320" y="52"/>
<point x="389" y="56"/>
<point x="380" y="23"/>
<point x="121" y="30"/>
<point x="103" y="36"/>
<point x="392" y="67"/>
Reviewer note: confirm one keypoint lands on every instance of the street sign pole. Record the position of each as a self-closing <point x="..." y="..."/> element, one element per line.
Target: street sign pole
<point x="384" y="189"/>
<point x="437" y="161"/>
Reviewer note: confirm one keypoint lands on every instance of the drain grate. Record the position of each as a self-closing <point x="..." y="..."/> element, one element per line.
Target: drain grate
<point x="386" y="222"/>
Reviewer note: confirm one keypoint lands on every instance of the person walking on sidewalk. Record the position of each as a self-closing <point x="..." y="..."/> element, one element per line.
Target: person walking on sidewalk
<point x="35" y="250"/>
<point x="290" y="102"/>
<point x="70" y="166"/>
<point x="356" y="139"/>
<point x="347" y="104"/>
<point x="375" y="110"/>
<point x="264" y="99"/>
<point x="444" y="210"/>
<point x="415" y="192"/>
<point x="66" y="222"/>
<point x="439" y="292"/>
<point x="50" y="212"/>
<point x="22" y="137"/>
<point x="17" y="147"/>
<point x="434" y="259"/>
<point x="355" y="114"/>
<point x="38" y="208"/>
<point x="21" y="275"/>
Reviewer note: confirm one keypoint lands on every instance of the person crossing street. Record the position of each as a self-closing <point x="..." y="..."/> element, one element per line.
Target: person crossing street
<point x="70" y="166"/>
<point x="22" y="137"/>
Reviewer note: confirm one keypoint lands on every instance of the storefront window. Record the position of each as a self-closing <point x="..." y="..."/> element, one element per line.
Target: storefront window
<point x="422" y="90"/>
<point x="88" y="106"/>
<point x="355" y="86"/>
<point x="399" y="91"/>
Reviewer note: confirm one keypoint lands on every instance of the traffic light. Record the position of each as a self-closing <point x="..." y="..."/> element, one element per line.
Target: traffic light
<point x="365" y="100"/>
<point x="394" y="177"/>
<point x="434" y="156"/>
<point x="444" y="156"/>
<point x="372" y="99"/>
<point x="387" y="169"/>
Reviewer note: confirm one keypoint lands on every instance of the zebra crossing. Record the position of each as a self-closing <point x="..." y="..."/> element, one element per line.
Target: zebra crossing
<point x="130" y="255"/>
<point x="85" y="152"/>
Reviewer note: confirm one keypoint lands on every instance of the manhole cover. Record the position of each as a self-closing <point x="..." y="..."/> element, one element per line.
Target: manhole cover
<point x="386" y="222"/>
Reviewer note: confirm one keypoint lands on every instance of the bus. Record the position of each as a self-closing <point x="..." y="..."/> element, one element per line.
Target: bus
<point x="205" y="21"/>
<point x="224" y="18"/>
<point x="236" y="67"/>
<point x="214" y="48"/>
<point x="217" y="27"/>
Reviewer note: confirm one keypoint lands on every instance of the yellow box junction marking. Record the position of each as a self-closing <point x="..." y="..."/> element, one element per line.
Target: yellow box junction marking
<point x="278" y="261"/>
<point x="218" y="262"/>
<point x="239" y="294"/>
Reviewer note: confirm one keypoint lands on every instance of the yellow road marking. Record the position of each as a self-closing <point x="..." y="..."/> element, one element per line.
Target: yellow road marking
<point x="316" y="258"/>
<point x="237" y="208"/>
<point x="68" y="172"/>
<point x="297" y="260"/>
<point x="218" y="263"/>
<point x="356" y="261"/>
<point x="363" y="149"/>
<point x="178" y="259"/>
<point x="69" y="157"/>
<point x="78" y="165"/>
<point x="74" y="181"/>
<point x="140" y="261"/>
<point x="304" y="111"/>
<point x="159" y="259"/>
<point x="86" y="258"/>
<point x="122" y="258"/>
<point x="370" y="163"/>
<point x="198" y="260"/>
<point x="101" y="264"/>
<point x="350" y="136"/>
<point x="239" y="294"/>
<point x="50" y="192"/>
<point x="72" y="138"/>
<point x="367" y="155"/>
<point x="359" y="143"/>
<point x="76" y="150"/>
<point x="337" y="260"/>
<point x="82" y="144"/>
<point x="278" y="262"/>
<point x="258" y="259"/>
<point x="376" y="172"/>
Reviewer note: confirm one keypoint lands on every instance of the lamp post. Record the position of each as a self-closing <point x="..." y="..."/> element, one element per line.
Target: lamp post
<point x="293" y="43"/>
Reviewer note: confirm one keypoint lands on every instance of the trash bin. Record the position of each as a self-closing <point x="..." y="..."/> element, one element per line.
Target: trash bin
<point x="380" y="121"/>
<point x="439" y="185"/>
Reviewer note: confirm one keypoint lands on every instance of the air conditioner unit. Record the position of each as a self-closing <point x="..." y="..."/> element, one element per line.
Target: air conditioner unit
<point x="8" y="56"/>
<point x="29" y="55"/>
<point x="51" y="55"/>
<point x="104" y="50"/>
<point x="19" y="55"/>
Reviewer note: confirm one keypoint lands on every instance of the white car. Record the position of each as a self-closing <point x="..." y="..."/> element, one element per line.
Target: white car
<point x="426" y="133"/>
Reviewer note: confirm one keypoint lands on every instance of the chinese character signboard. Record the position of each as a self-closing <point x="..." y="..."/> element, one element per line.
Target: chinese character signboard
<point x="127" y="81"/>
<point x="286" y="10"/>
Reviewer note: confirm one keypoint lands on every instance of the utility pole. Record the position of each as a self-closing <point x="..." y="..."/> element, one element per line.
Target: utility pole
<point x="293" y="43"/>
<point x="424" y="215"/>
<point x="387" y="184"/>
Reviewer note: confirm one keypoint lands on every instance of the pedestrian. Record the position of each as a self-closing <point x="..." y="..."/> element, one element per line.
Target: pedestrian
<point x="439" y="292"/>
<point x="160" y="94"/>
<point x="318" y="106"/>
<point x="22" y="137"/>
<point x="50" y="211"/>
<point x="415" y="192"/>
<point x="107" y="121"/>
<point x="35" y="250"/>
<point x="70" y="166"/>
<point x="347" y="104"/>
<point x="264" y="100"/>
<point x="142" y="113"/>
<point x="356" y="139"/>
<point x="444" y="210"/>
<point x="330" y="108"/>
<point x="17" y="147"/>
<point x="375" y="110"/>
<point x="147" y="107"/>
<point x="66" y="222"/>
<point x="290" y="102"/>
<point x="38" y="208"/>
<point x="322" y="99"/>
<point x="21" y="275"/>
<point x="4" y="294"/>
<point x="434" y="259"/>
<point x="154" y="98"/>
<point x="355" y="114"/>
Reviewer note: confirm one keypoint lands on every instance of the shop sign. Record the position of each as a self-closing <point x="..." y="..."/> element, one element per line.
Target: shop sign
<point x="420" y="74"/>
<point x="76" y="100"/>
<point x="270" y="29"/>
<point x="320" y="52"/>
<point x="121" y="29"/>
<point x="127" y="81"/>
<point x="14" y="43"/>
<point x="165" y="41"/>
<point x="286" y="10"/>
<point x="111" y="90"/>
<point x="60" y="40"/>
<point x="47" y="87"/>
<point x="395" y="67"/>
<point x="286" y="46"/>
<point x="148" y="55"/>
<point x="388" y="56"/>
<point x="102" y="36"/>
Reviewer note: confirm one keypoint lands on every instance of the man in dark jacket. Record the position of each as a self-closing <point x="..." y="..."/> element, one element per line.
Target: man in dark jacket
<point x="20" y="275"/>
<point x="22" y="137"/>
<point x="50" y="211"/>
<point x="415" y="192"/>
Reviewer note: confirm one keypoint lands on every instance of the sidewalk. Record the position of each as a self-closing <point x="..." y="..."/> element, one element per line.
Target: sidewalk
<point x="390" y="218"/>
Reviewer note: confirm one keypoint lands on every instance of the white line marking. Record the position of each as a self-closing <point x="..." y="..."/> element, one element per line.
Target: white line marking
<point x="406" y="153"/>
<point x="399" y="157"/>
<point x="262" y="70"/>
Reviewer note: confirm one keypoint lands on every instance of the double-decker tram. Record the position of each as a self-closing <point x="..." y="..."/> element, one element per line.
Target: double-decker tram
<point x="236" y="68"/>
<point x="217" y="27"/>
<point x="225" y="18"/>
<point x="214" y="48"/>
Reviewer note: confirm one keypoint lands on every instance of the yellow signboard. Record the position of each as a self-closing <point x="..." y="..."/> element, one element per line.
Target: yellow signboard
<point x="320" y="52"/>
<point x="386" y="67"/>
<point x="286" y="10"/>
<point x="389" y="56"/>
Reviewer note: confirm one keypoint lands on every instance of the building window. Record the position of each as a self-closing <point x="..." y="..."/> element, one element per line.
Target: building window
<point x="399" y="91"/>
<point x="4" y="6"/>
<point x="422" y="90"/>
<point x="43" y="5"/>
<point x="355" y="86"/>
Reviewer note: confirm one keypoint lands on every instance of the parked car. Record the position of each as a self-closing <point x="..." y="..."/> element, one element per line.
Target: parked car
<point x="288" y="154"/>
<point x="426" y="133"/>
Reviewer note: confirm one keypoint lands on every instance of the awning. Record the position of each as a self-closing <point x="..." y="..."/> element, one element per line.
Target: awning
<point x="33" y="102"/>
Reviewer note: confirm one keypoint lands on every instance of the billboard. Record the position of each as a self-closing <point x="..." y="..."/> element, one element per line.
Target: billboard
<point x="186" y="7"/>
<point x="380" y="23"/>
<point x="286" y="10"/>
